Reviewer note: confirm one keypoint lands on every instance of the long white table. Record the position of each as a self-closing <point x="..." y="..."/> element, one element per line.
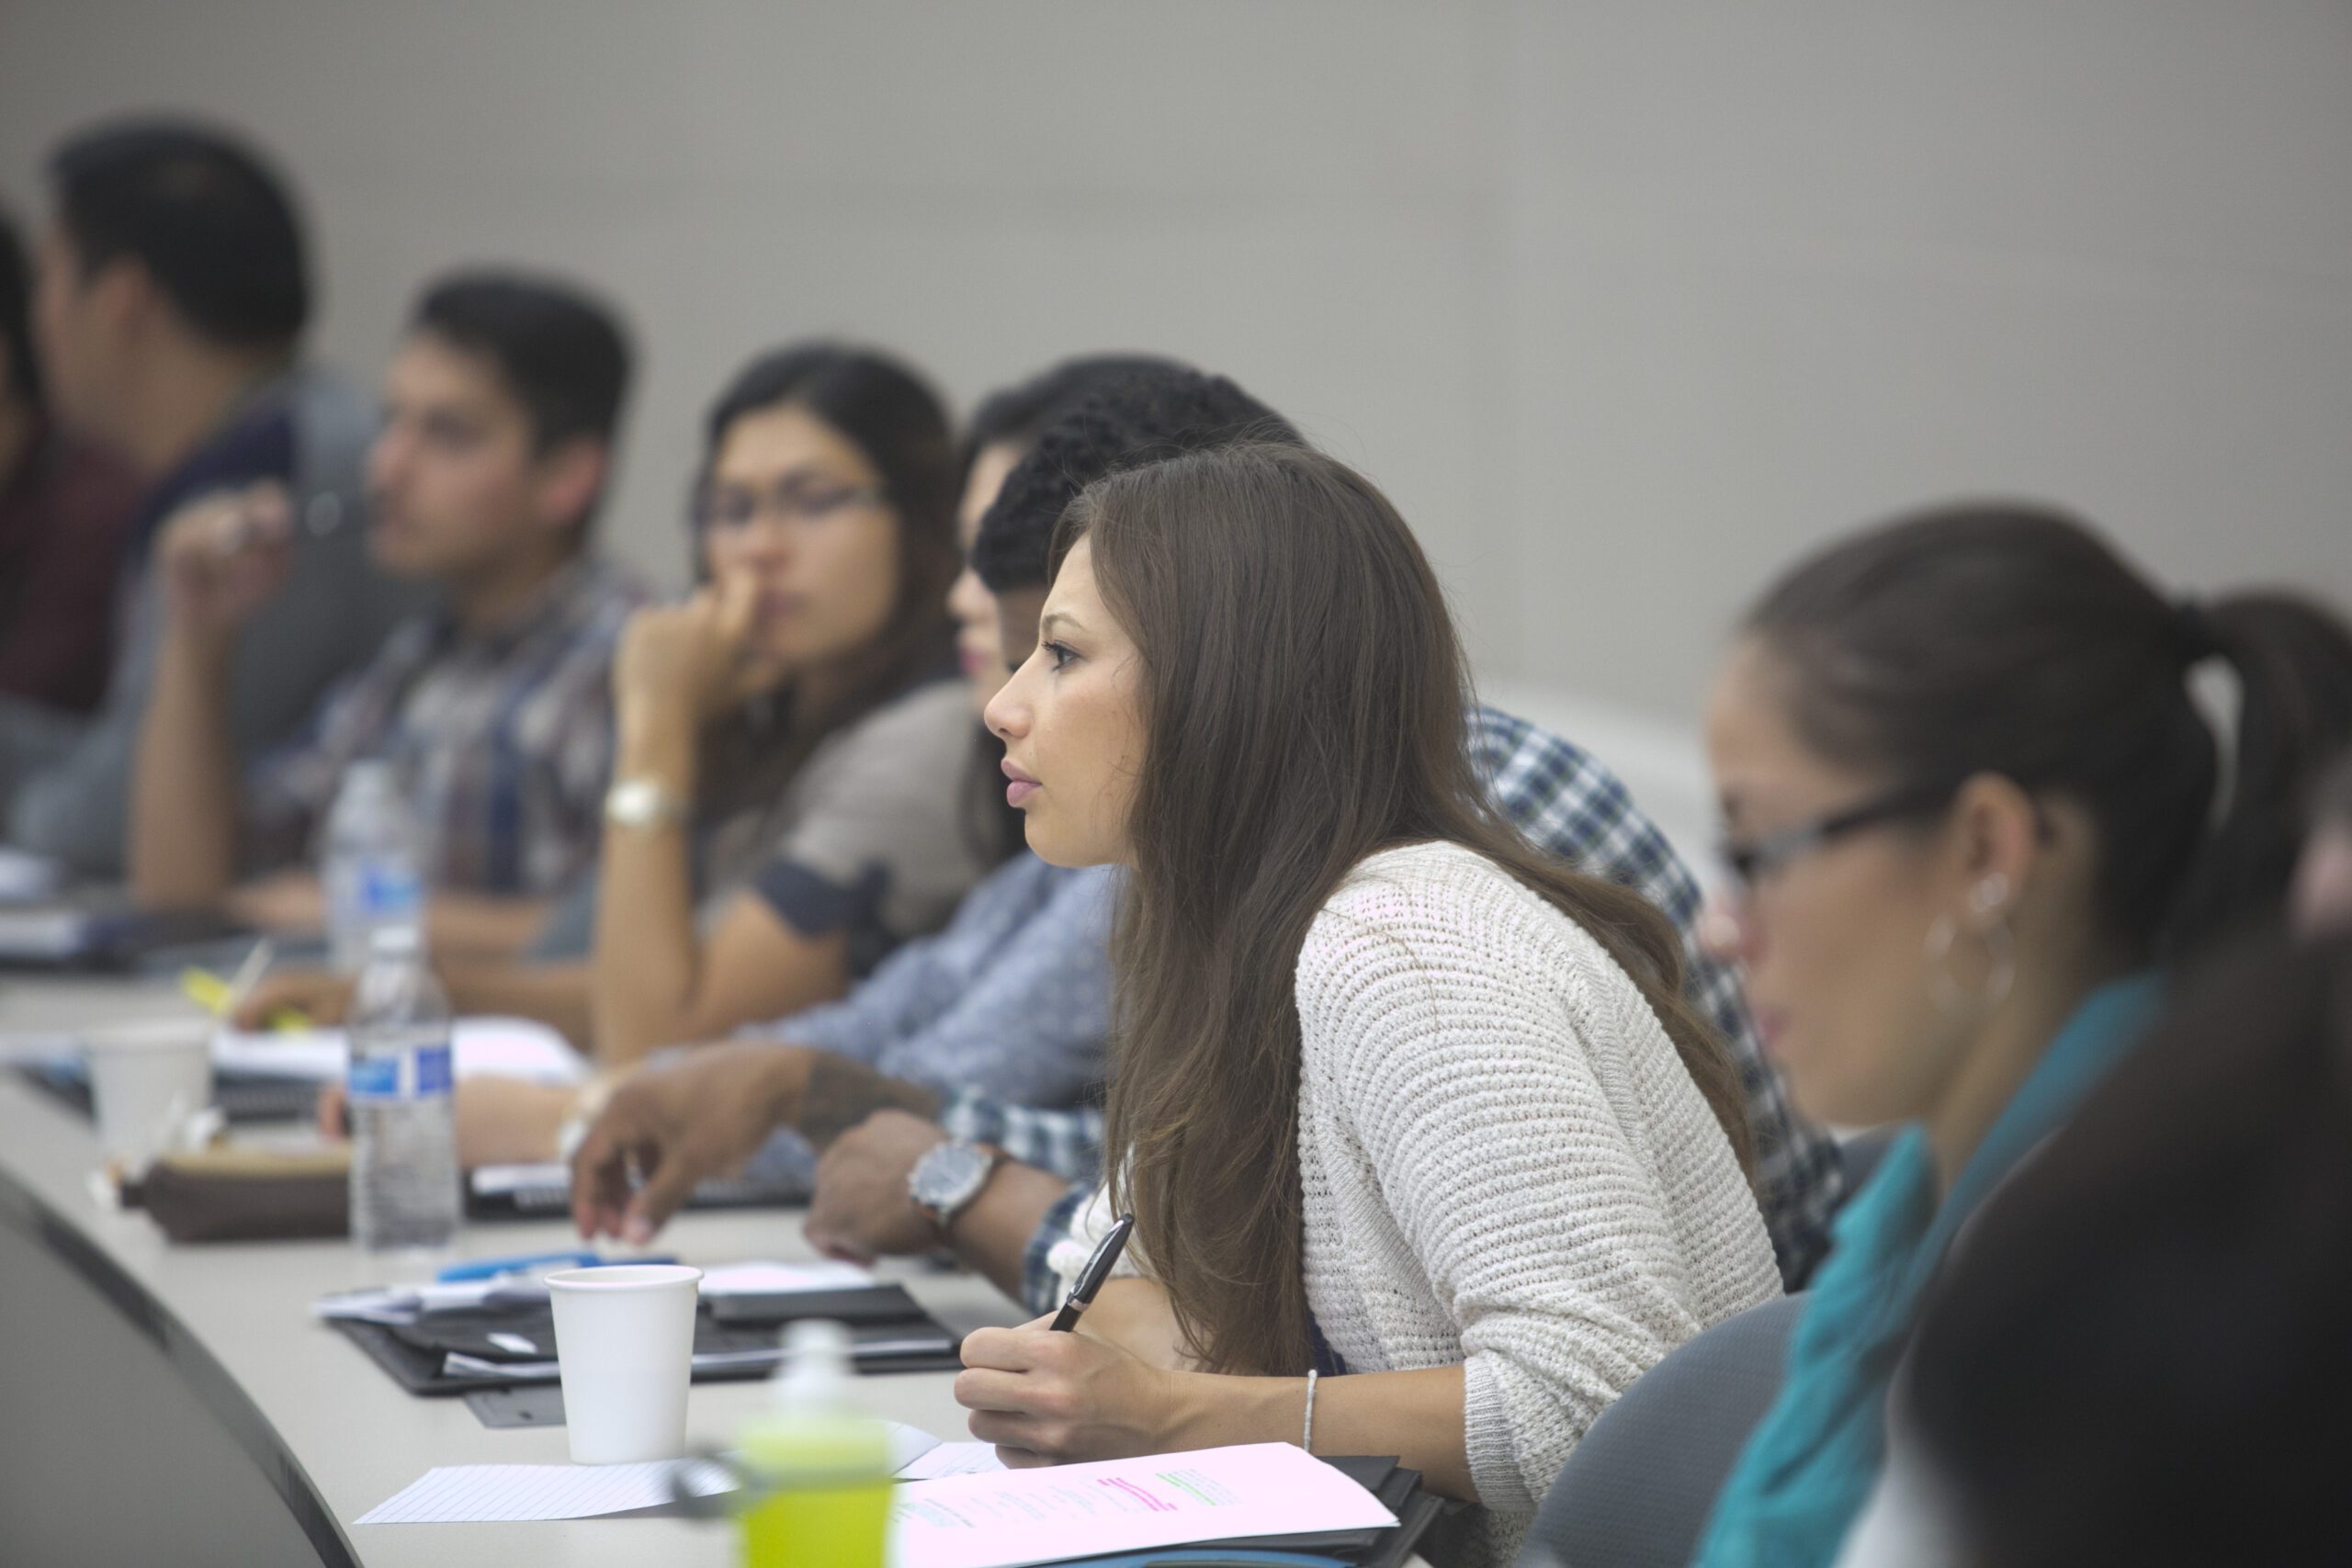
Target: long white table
<point x="164" y="1403"/>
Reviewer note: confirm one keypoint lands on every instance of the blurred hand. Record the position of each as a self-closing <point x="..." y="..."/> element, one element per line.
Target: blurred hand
<point x="862" y="1211"/>
<point x="694" y="660"/>
<point x="225" y="555"/>
<point x="678" y="1124"/>
<point x="289" y="902"/>
<point x="323" y="998"/>
<point x="334" y="1113"/>
<point x="499" y="1121"/>
<point x="509" y="1120"/>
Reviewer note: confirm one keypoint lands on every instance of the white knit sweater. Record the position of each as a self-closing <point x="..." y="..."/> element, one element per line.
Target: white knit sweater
<point x="1504" y="1164"/>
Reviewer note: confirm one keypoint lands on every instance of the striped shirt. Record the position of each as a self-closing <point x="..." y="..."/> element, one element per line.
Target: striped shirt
<point x="503" y="741"/>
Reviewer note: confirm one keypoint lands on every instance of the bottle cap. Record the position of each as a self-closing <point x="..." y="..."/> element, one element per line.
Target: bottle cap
<point x="815" y="1375"/>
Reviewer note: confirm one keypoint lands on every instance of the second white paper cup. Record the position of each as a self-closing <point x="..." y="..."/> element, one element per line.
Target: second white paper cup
<point x="624" y="1346"/>
<point x="146" y="1080"/>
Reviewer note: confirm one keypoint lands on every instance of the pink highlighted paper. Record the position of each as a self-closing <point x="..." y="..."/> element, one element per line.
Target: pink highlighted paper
<point x="1018" y="1516"/>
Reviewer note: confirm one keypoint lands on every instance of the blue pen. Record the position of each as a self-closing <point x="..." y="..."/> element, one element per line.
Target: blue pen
<point x="534" y="1263"/>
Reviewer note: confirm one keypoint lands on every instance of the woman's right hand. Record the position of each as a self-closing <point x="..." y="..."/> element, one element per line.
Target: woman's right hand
<point x="692" y="661"/>
<point x="320" y="996"/>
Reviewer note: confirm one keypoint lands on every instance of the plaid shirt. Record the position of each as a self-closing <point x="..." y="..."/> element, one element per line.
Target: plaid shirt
<point x="1570" y="806"/>
<point x="1068" y="1143"/>
<point x="503" y="741"/>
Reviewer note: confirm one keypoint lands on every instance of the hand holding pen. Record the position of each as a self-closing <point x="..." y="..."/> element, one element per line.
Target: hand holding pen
<point x="1044" y="1394"/>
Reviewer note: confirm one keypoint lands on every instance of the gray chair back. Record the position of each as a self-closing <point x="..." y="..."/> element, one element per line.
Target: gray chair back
<point x="1637" y="1490"/>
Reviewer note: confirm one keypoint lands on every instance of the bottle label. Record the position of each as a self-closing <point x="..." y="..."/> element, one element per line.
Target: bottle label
<point x="387" y="888"/>
<point x="420" y="1074"/>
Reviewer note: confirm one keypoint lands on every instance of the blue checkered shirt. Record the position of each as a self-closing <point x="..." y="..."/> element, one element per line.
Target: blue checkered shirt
<point x="503" y="741"/>
<point x="1570" y="806"/>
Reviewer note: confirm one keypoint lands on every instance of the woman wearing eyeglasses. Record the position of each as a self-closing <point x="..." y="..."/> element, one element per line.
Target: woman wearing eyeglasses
<point x="799" y="720"/>
<point x="1972" y="814"/>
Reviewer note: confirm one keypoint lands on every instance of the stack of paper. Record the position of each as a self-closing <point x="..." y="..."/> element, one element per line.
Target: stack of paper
<point x="976" y="1517"/>
<point x="1019" y="1517"/>
<point x="505" y="1047"/>
<point x="404" y="1302"/>
<point x="488" y="1493"/>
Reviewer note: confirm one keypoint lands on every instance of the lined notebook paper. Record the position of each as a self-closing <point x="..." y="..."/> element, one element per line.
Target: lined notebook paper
<point x="483" y="1493"/>
<point x="490" y="1494"/>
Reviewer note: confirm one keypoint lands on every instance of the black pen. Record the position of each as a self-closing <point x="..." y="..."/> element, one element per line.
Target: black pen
<point x="1098" y="1268"/>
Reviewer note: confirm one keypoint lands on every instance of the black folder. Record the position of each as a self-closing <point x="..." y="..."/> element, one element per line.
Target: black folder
<point x="889" y="1332"/>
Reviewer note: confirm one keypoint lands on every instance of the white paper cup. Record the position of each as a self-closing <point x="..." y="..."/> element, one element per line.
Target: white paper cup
<point x="624" y="1344"/>
<point x="146" y="1080"/>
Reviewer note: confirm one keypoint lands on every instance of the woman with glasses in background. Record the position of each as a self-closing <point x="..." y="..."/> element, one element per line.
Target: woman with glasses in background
<point x="804" y="710"/>
<point x="1973" y="816"/>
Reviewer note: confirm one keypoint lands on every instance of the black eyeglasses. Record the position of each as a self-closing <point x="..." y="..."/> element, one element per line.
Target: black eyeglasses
<point x="1755" y="859"/>
<point x="795" y="500"/>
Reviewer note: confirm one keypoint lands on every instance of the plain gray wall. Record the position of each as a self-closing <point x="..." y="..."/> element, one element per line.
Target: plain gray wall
<point x="1625" y="303"/>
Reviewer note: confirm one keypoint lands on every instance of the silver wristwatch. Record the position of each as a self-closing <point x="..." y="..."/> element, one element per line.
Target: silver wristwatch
<point x="643" y="802"/>
<point x="948" y="1176"/>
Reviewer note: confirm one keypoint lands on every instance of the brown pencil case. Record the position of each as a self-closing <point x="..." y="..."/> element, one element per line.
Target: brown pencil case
<point x="243" y="1194"/>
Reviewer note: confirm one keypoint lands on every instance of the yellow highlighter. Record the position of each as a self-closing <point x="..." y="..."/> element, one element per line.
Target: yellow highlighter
<point x="221" y="997"/>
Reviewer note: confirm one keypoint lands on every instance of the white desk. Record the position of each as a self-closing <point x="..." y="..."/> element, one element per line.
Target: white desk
<point x="180" y="1404"/>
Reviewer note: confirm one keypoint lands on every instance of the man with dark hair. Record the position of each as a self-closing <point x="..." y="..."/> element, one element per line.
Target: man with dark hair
<point x="171" y="296"/>
<point x="64" y="509"/>
<point x="493" y="709"/>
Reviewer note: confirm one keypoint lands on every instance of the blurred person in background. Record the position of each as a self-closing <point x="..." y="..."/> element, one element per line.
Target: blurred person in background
<point x="173" y="290"/>
<point x="500" y="406"/>
<point x="2139" y="1354"/>
<point x="1972" y="810"/>
<point x="64" y="514"/>
<point x="2321" y="897"/>
<point x="2070" y="1249"/>
<point x="792" y="789"/>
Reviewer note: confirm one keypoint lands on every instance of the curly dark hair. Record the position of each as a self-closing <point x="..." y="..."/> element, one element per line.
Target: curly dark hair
<point x="1153" y="413"/>
<point x="1019" y="413"/>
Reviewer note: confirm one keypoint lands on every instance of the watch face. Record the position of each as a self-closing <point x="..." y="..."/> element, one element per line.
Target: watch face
<point x="949" y="1175"/>
<point x="635" y="800"/>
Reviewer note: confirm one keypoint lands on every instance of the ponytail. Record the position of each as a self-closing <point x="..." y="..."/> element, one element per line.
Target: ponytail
<point x="2013" y="640"/>
<point x="2293" y="663"/>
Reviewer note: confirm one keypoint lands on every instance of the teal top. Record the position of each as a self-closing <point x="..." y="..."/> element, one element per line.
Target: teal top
<point x="1810" y="1466"/>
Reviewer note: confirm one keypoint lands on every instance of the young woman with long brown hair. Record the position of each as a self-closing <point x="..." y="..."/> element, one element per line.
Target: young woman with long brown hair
<point x="1392" y="1094"/>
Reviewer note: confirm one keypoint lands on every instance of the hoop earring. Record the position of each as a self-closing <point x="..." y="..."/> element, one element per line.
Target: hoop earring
<point x="2001" y="953"/>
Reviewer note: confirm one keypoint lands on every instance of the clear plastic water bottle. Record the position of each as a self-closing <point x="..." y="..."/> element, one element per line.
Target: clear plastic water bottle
<point x="403" y="1123"/>
<point x="374" y="862"/>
